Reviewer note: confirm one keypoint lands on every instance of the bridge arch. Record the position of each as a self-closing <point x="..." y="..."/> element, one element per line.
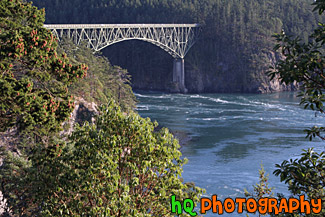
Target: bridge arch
<point x="173" y="53"/>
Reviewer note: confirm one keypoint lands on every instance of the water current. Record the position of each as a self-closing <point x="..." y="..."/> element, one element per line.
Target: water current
<point x="232" y="134"/>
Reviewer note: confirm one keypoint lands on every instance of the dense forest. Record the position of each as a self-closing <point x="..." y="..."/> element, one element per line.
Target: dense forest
<point x="232" y="55"/>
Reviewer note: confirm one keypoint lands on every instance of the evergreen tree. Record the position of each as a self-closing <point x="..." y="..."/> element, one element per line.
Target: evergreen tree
<point x="34" y="79"/>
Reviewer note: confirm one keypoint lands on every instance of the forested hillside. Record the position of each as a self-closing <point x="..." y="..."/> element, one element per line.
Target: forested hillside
<point x="232" y="55"/>
<point x="104" y="81"/>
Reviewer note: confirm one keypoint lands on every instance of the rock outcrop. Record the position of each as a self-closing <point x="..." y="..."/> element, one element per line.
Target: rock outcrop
<point x="83" y="111"/>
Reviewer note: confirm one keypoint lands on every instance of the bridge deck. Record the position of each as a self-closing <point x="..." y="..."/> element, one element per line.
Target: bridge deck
<point x="99" y="26"/>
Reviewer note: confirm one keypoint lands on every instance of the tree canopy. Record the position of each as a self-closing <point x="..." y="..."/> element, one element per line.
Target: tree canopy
<point x="33" y="77"/>
<point x="304" y="63"/>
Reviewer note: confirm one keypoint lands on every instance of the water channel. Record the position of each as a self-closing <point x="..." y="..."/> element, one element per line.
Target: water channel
<point x="230" y="135"/>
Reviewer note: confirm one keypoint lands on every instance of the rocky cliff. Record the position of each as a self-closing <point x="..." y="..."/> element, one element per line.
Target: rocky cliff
<point x="227" y="71"/>
<point x="229" y="76"/>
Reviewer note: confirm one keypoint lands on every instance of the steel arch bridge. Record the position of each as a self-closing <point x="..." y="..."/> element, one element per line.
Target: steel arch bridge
<point x="176" y="39"/>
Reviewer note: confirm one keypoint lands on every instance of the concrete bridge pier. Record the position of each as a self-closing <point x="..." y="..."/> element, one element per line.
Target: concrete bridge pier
<point x="179" y="74"/>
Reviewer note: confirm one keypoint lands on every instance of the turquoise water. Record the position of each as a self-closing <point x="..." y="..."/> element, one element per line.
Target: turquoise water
<point x="232" y="134"/>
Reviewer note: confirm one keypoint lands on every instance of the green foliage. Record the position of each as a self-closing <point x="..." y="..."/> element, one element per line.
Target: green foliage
<point x="262" y="188"/>
<point x="117" y="167"/>
<point x="304" y="63"/>
<point x="305" y="175"/>
<point x="33" y="78"/>
<point x="104" y="81"/>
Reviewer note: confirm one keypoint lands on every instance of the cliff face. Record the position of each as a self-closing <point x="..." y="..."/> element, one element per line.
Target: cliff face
<point x="225" y="71"/>
<point x="230" y="76"/>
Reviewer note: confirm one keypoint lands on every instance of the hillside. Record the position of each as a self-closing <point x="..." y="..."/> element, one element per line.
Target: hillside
<point x="232" y="55"/>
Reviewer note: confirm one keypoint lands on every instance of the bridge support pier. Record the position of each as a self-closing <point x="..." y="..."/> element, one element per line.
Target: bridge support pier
<point x="179" y="74"/>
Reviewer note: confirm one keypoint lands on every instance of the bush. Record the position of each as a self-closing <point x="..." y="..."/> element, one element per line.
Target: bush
<point x="117" y="167"/>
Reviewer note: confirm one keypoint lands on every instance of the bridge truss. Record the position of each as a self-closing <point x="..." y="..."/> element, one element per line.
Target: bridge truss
<point x="176" y="39"/>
